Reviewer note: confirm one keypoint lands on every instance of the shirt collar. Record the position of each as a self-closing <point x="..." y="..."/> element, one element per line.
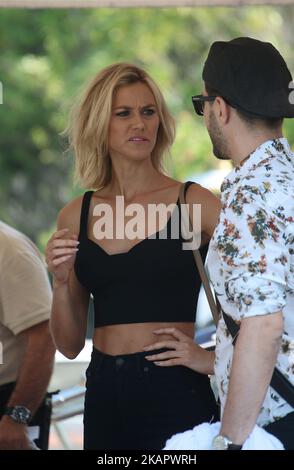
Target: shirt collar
<point x="266" y="149"/>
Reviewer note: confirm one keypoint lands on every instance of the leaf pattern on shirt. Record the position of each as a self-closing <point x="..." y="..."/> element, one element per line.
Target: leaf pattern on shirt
<point x="262" y="227"/>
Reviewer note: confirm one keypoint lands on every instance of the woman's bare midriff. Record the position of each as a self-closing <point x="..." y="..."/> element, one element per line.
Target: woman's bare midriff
<point x="131" y="338"/>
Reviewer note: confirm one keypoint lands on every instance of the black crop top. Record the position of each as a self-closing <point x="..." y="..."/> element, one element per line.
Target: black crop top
<point x="155" y="281"/>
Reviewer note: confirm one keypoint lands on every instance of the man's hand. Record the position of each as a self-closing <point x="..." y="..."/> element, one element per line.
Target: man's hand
<point x="13" y="436"/>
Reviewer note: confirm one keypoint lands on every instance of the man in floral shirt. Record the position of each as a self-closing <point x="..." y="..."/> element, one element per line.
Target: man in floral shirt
<point x="251" y="255"/>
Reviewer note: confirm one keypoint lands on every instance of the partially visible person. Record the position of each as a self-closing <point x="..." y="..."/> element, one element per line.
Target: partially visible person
<point x="120" y="133"/>
<point x="27" y="347"/>
<point x="246" y="96"/>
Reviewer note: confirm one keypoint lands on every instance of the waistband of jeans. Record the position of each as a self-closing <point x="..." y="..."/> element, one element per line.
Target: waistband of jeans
<point x="123" y="361"/>
<point x="138" y="364"/>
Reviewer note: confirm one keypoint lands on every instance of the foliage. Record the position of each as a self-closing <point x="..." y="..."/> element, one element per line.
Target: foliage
<point x="47" y="56"/>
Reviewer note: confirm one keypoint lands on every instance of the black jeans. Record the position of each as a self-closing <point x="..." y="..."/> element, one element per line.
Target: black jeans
<point x="283" y="429"/>
<point x="131" y="403"/>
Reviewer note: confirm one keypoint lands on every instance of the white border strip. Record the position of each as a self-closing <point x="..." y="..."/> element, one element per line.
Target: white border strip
<point x="133" y="3"/>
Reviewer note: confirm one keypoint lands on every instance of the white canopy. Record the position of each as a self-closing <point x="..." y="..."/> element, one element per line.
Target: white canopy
<point x="134" y="3"/>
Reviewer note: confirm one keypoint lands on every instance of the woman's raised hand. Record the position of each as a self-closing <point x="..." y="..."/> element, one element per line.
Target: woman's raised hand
<point x="60" y="254"/>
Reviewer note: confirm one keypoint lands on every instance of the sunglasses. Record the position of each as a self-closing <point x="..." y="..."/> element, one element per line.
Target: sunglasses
<point x="198" y="103"/>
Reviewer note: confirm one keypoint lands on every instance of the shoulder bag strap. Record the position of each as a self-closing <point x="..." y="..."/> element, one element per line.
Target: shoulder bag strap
<point x="186" y="221"/>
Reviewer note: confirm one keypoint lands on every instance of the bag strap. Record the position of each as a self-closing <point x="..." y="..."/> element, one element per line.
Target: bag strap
<point x="278" y="381"/>
<point x="186" y="221"/>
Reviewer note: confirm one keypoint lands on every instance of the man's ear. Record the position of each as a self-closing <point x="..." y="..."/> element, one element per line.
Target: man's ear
<point x="222" y="110"/>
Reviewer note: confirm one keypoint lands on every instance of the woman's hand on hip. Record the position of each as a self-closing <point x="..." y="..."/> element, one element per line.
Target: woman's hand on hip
<point x="183" y="351"/>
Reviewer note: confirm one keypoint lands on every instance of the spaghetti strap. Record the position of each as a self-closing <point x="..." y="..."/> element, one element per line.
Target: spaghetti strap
<point x="84" y="215"/>
<point x="187" y="186"/>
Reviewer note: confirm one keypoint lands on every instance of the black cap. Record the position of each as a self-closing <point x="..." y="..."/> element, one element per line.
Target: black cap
<point x="252" y="75"/>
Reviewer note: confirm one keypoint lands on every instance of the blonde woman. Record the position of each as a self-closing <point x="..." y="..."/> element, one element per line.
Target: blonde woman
<point x="144" y="286"/>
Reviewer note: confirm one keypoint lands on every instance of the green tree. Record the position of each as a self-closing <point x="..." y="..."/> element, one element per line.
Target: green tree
<point x="47" y="56"/>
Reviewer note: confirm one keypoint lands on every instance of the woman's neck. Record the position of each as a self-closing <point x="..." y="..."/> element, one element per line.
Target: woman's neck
<point x="131" y="179"/>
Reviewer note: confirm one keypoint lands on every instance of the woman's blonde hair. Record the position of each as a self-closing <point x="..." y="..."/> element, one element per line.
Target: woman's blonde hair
<point x="89" y="122"/>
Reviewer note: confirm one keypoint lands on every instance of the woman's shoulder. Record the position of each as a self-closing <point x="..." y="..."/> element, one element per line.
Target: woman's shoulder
<point x="210" y="207"/>
<point x="69" y="215"/>
<point x="197" y="194"/>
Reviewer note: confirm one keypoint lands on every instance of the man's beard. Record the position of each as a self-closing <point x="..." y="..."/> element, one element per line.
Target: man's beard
<point x="219" y="143"/>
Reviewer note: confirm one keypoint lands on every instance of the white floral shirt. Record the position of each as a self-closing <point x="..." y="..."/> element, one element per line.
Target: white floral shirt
<point x="251" y="258"/>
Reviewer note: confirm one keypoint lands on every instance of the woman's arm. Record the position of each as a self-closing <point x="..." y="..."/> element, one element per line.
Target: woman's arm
<point x="210" y="209"/>
<point x="70" y="299"/>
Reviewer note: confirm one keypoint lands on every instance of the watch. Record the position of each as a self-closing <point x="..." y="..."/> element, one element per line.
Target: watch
<point x="224" y="443"/>
<point x="19" y="414"/>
